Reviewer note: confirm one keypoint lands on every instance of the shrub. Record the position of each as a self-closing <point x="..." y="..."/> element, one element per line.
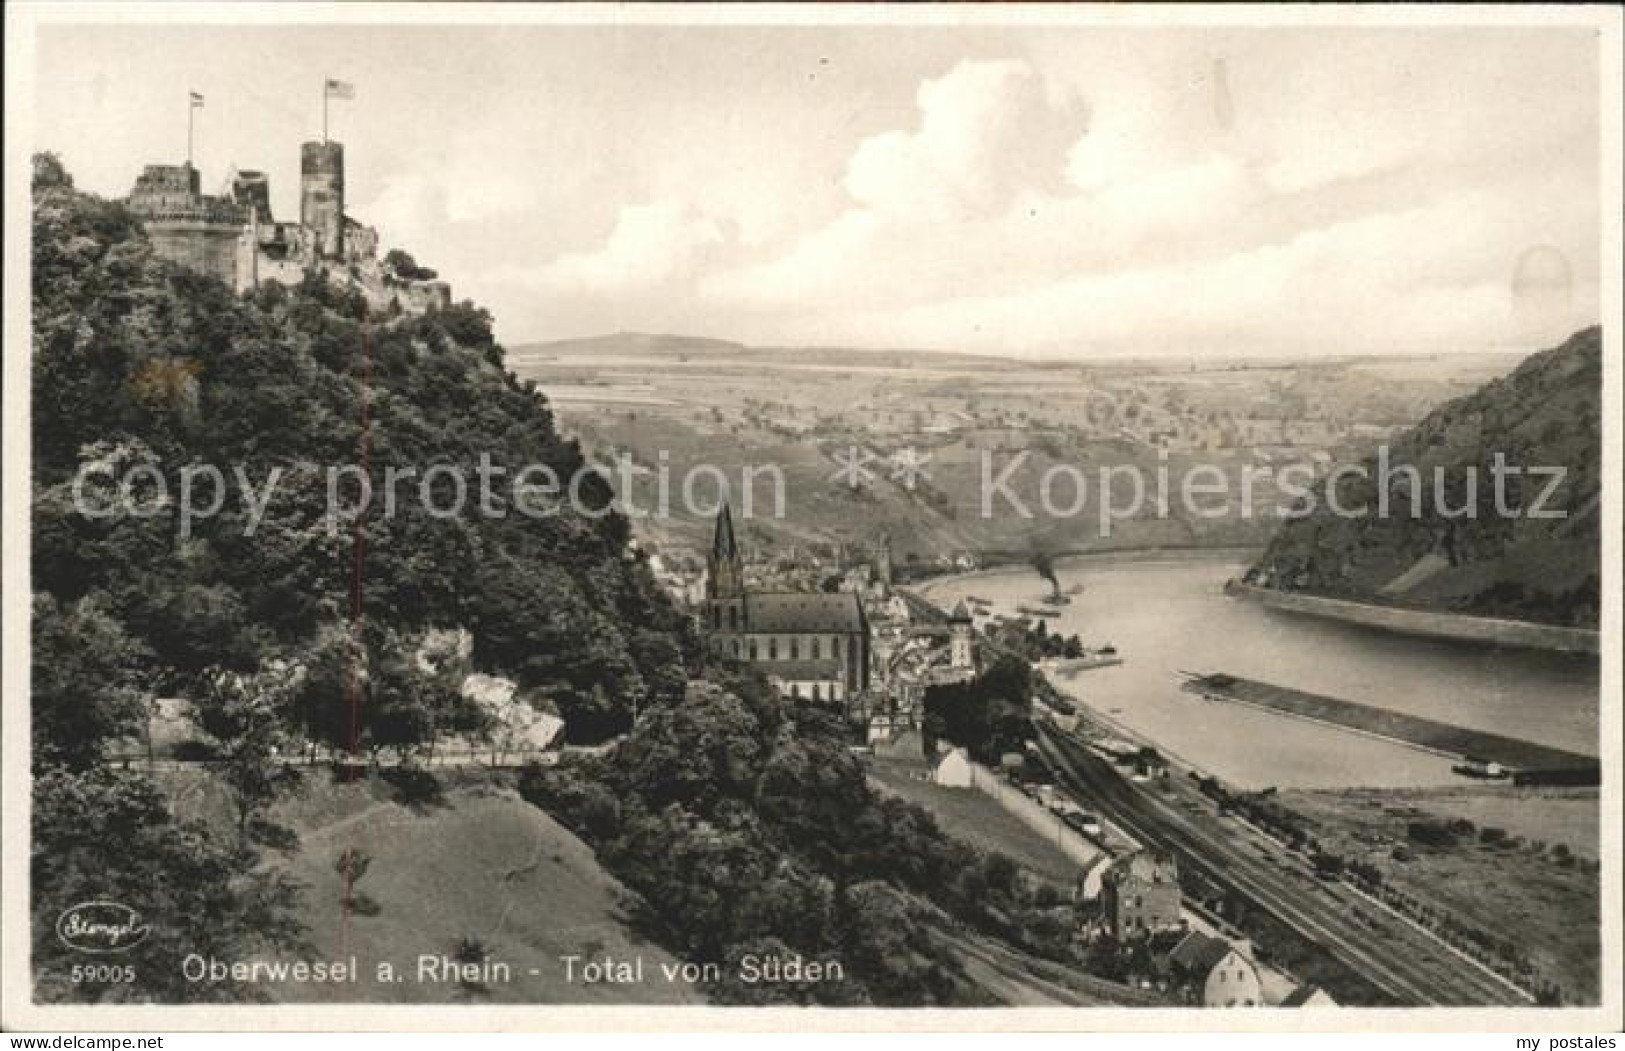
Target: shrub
<point x="1432" y="833"/>
<point x="416" y="787"/>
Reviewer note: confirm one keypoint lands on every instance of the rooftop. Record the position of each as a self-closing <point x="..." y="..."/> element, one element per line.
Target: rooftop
<point x="1146" y="866"/>
<point x="1199" y="953"/>
<point x="798" y="612"/>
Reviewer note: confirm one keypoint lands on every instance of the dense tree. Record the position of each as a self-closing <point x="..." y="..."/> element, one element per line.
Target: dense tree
<point x="108" y="835"/>
<point x="87" y="681"/>
<point x="747" y="822"/>
<point x="988" y="715"/>
<point x="288" y="621"/>
<point x="140" y="363"/>
<point x="402" y="265"/>
<point x="247" y="715"/>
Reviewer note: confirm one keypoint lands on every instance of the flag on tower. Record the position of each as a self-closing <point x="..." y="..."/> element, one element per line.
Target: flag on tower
<point x="340" y="89"/>
<point x="197" y="101"/>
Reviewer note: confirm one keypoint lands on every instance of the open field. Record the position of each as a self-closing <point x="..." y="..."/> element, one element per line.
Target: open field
<point x="1514" y="892"/>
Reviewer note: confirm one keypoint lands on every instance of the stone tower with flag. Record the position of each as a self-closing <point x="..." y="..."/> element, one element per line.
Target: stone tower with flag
<point x="321" y="195"/>
<point x="321" y="181"/>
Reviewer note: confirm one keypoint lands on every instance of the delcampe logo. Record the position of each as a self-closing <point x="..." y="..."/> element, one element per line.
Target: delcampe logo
<point x="101" y="926"/>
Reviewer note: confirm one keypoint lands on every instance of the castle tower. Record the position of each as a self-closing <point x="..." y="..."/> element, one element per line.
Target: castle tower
<point x="321" y="196"/>
<point x="186" y="226"/>
<point x="252" y="192"/>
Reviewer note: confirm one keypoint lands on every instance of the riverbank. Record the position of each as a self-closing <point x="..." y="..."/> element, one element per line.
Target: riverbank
<point x="1458" y="627"/>
<point x="1063" y="560"/>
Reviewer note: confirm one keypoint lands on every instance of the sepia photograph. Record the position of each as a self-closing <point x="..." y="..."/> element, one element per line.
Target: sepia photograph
<point x="802" y="516"/>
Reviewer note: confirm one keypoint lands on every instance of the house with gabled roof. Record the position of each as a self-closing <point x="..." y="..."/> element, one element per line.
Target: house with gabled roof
<point x="1139" y="895"/>
<point x="1210" y="971"/>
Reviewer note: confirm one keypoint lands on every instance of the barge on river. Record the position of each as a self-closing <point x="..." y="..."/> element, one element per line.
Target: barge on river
<point x="1527" y="762"/>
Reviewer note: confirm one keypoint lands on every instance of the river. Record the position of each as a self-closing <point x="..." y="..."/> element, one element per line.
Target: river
<point x="1167" y="615"/>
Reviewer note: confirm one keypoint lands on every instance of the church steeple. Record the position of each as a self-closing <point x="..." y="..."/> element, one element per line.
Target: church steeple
<point x="726" y="570"/>
<point x="723" y="547"/>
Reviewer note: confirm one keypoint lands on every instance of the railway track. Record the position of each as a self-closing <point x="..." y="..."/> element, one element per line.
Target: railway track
<point x="1406" y="966"/>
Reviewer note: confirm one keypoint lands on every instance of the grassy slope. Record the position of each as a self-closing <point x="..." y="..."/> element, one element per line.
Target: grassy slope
<point x="491" y="866"/>
<point x="976" y="818"/>
<point x="486" y="865"/>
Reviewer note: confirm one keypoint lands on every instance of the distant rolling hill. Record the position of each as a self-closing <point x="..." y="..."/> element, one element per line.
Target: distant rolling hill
<point x="626" y="343"/>
<point x="1546" y="414"/>
<point x="643" y="344"/>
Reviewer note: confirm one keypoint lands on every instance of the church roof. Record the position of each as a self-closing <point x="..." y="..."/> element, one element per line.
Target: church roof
<point x="801" y="671"/>
<point x="793" y="612"/>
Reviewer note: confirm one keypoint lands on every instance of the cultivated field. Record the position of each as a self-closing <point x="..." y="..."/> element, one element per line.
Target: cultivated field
<point x="1517" y="889"/>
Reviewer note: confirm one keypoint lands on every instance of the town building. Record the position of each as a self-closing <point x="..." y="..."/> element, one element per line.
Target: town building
<point x="961" y="640"/>
<point x="954" y="770"/>
<point x="1139" y="895"/>
<point x="811" y="644"/>
<point x="1309" y="995"/>
<point x="1211" y="972"/>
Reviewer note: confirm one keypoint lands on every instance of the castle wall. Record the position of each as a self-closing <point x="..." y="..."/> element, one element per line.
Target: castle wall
<point x="360" y="242"/>
<point x="283" y="271"/>
<point x="164" y="187"/>
<point x="206" y="247"/>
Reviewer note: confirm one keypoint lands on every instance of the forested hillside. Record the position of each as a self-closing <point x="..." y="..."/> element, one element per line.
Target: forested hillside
<point x="251" y="623"/>
<point x="1444" y="543"/>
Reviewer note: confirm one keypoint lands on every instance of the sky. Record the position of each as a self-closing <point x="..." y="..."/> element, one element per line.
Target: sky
<point x="1030" y="192"/>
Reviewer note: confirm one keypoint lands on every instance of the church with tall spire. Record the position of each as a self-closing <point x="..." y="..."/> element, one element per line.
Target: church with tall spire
<point x="811" y="645"/>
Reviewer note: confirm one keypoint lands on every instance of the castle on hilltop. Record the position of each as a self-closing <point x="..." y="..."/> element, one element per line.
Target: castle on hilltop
<point x="236" y="238"/>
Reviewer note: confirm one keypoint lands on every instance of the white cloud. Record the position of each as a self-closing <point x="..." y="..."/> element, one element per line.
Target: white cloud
<point x="1404" y="275"/>
<point x="986" y="136"/>
<point x="1383" y="217"/>
<point x="958" y="162"/>
<point x="651" y="245"/>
